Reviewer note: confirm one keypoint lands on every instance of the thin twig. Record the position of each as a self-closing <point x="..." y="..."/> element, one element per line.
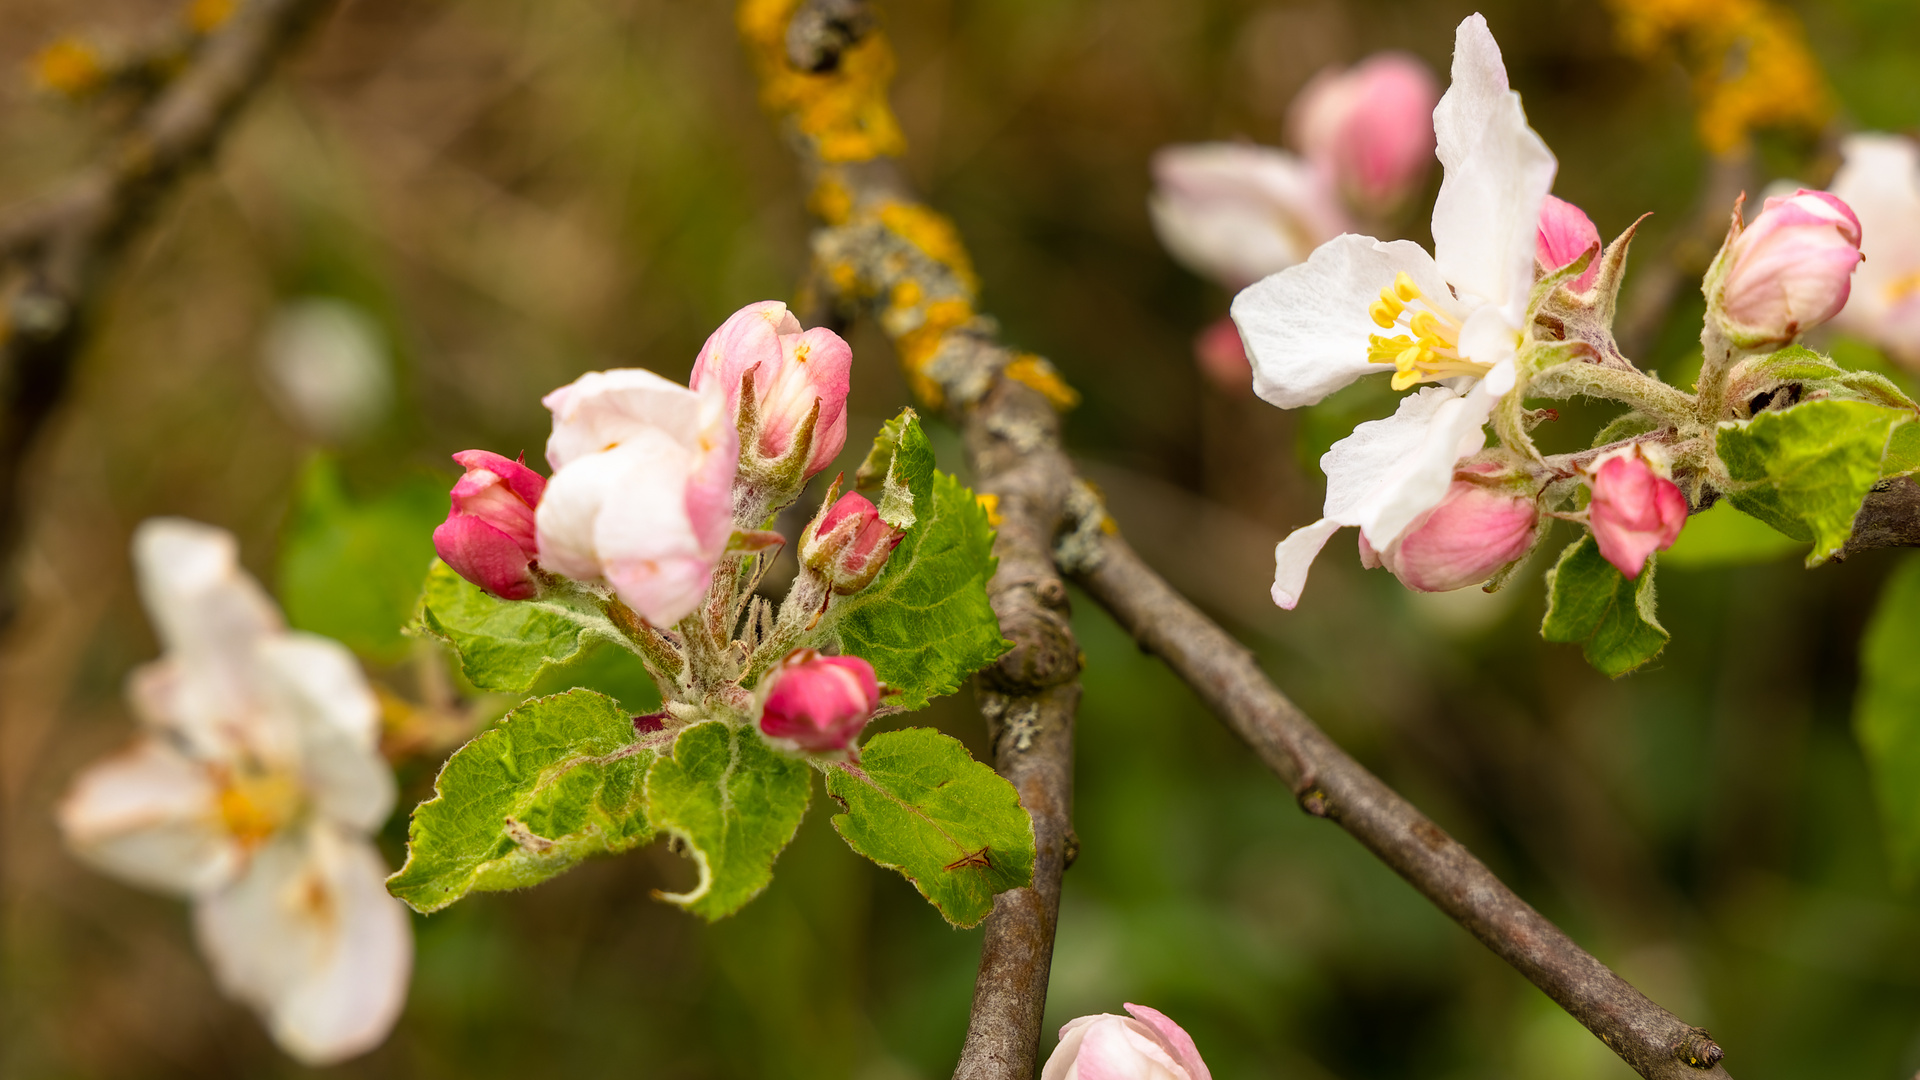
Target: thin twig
<point x="1330" y="784"/>
<point x="885" y="255"/>
<point x="58" y="250"/>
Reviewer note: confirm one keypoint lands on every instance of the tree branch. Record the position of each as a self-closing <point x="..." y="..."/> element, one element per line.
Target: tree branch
<point x="1889" y="518"/>
<point x="1329" y="784"/>
<point x="884" y="254"/>
<point x="58" y="250"/>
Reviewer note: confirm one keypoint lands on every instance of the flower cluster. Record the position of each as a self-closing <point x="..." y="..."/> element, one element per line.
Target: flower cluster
<point x="254" y="791"/>
<point x="658" y="496"/>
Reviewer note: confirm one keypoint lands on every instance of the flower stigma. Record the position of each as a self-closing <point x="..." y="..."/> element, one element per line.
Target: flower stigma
<point x="1432" y="352"/>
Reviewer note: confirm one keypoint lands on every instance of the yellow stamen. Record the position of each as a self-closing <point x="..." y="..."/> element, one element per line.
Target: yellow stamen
<point x="255" y="805"/>
<point x="1902" y="287"/>
<point x="1404" y="287"/>
<point x="1432" y="353"/>
<point x="1385" y="311"/>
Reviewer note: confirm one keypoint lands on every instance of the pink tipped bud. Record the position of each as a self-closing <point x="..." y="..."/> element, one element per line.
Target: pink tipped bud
<point x="1790" y="270"/>
<point x="1636" y="509"/>
<point x="1145" y="1044"/>
<point x="1565" y="234"/>
<point x="792" y="369"/>
<point x="488" y="537"/>
<point x="819" y="703"/>
<point x="1223" y="357"/>
<point x="849" y="544"/>
<point x="1475" y="531"/>
<point x="1371" y="127"/>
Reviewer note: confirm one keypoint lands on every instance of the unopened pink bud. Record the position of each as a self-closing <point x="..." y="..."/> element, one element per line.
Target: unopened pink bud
<point x="1223" y="356"/>
<point x="849" y="544"/>
<point x="1145" y="1045"/>
<point x="1475" y="531"/>
<point x="792" y="368"/>
<point x="1370" y="126"/>
<point x="1635" y="510"/>
<point x="488" y="537"/>
<point x="819" y="703"/>
<point x="1790" y="270"/>
<point x="1565" y="234"/>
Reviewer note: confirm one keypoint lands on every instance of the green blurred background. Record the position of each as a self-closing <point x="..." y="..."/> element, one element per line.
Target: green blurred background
<point x="517" y="191"/>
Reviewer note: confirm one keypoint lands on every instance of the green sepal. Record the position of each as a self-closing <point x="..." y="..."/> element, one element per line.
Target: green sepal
<point x="560" y="779"/>
<point x="924" y="623"/>
<point x="502" y="644"/>
<point x="1593" y="605"/>
<point x="735" y="802"/>
<point x="1806" y="469"/>
<point x="918" y="803"/>
<point x="1886" y="716"/>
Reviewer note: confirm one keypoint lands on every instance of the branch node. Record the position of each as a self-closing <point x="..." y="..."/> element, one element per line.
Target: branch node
<point x="1698" y="1049"/>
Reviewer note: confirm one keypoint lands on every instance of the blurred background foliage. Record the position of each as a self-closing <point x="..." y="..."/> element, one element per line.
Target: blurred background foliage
<point x="516" y="191"/>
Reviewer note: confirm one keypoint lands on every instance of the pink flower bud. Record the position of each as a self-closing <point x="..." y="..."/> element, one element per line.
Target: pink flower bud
<point x="1565" y="234"/>
<point x="792" y="369"/>
<point x="488" y="537"/>
<point x="848" y="544"/>
<point x="1636" y="510"/>
<point x="1790" y="270"/>
<point x="1476" y="530"/>
<point x="1143" y="1046"/>
<point x="1371" y="127"/>
<point x="819" y="703"/>
<point x="1223" y="356"/>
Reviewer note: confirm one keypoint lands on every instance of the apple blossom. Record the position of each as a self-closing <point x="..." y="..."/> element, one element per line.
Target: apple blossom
<point x="1236" y="212"/>
<point x="1636" y="507"/>
<point x="1879" y="179"/>
<point x="253" y="792"/>
<point x="1314" y="328"/>
<point x="328" y="365"/>
<point x="793" y="371"/>
<point x="818" y="703"/>
<point x="1370" y="127"/>
<point x="1476" y="530"/>
<point x="1565" y="234"/>
<point x="1789" y="271"/>
<point x="848" y="544"/>
<point x="641" y="492"/>
<point x="1222" y="356"/>
<point x="1144" y="1045"/>
<point x="488" y="537"/>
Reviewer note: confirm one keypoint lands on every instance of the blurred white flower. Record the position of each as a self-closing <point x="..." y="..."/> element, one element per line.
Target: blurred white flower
<point x="253" y="792"/>
<point x="1880" y="179"/>
<point x="327" y="364"/>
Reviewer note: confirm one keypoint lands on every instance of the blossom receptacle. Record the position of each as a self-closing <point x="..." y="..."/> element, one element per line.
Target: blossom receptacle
<point x="848" y="544"/>
<point x="641" y="495"/>
<point x="1479" y="528"/>
<point x="1236" y="212"/>
<point x="1370" y="127"/>
<point x="489" y="537"/>
<point x="1879" y="179"/>
<point x="793" y="372"/>
<point x="1636" y="507"/>
<point x="1566" y="233"/>
<point x="819" y="703"/>
<point x="1788" y="271"/>
<point x="1144" y="1044"/>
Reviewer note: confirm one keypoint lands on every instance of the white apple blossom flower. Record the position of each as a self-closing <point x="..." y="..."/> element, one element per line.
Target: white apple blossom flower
<point x="1236" y="212"/>
<point x="1880" y="179"/>
<point x="253" y="791"/>
<point x="1317" y="327"/>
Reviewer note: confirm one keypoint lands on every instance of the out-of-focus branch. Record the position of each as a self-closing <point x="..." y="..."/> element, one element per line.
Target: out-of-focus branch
<point x="884" y="254"/>
<point x="1330" y="784"/>
<point x="56" y="251"/>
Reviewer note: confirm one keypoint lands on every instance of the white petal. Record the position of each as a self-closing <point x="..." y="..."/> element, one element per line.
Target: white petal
<point x="1294" y="556"/>
<point x="310" y="938"/>
<point x="1060" y="1062"/>
<point x="152" y="816"/>
<point x="603" y="409"/>
<point x="318" y="685"/>
<point x="1306" y="328"/>
<point x="1390" y="471"/>
<point x="1488" y="337"/>
<point x="1497" y="175"/>
<point x="1880" y="179"/>
<point x="1236" y="212"/>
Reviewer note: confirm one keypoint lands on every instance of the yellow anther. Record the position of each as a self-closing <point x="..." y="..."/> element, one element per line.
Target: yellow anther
<point x="1404" y="287"/>
<point x="1902" y="287"/>
<point x="1384" y="312"/>
<point x="1427" y="326"/>
<point x="254" y="806"/>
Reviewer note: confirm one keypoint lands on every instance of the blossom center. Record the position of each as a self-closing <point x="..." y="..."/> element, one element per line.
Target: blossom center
<point x="1430" y="351"/>
<point x="1902" y="288"/>
<point x="256" y="804"/>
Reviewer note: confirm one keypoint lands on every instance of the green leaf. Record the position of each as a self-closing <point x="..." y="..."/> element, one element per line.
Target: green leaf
<point x="502" y="644"/>
<point x="1805" y="470"/>
<point x="736" y="802"/>
<point x="1886" y="715"/>
<point x="886" y="466"/>
<point x="559" y="780"/>
<point x="925" y="623"/>
<point x="350" y="569"/>
<point x="1593" y="605"/>
<point x="1723" y="536"/>
<point x="1903" y="452"/>
<point x="918" y="803"/>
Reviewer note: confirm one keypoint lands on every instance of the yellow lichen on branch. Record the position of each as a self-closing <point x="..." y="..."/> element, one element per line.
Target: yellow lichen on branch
<point x="69" y="66"/>
<point x="1749" y="61"/>
<point x="843" y="112"/>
